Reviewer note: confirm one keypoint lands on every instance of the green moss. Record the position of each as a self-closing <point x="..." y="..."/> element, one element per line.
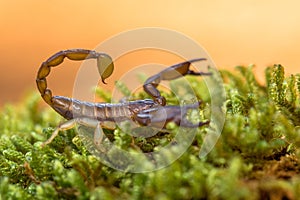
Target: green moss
<point x="256" y="157"/>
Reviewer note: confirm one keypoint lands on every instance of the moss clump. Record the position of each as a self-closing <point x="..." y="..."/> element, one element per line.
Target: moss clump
<point x="256" y="157"/>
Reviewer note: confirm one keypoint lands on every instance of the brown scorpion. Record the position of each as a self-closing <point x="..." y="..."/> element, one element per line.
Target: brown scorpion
<point x="145" y="112"/>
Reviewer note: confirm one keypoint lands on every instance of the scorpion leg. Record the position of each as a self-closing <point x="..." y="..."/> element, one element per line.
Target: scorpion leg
<point x="98" y="125"/>
<point x="170" y="73"/>
<point x="99" y="136"/>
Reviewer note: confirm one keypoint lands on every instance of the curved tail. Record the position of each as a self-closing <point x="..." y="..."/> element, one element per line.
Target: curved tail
<point x="104" y="64"/>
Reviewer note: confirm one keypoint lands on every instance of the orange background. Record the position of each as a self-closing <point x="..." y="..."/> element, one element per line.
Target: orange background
<point x="233" y="33"/>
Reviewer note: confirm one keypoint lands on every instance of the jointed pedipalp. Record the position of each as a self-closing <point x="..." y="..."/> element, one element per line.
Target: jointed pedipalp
<point x="170" y="73"/>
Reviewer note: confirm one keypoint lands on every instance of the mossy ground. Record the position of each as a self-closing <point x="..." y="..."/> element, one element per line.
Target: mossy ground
<point x="256" y="156"/>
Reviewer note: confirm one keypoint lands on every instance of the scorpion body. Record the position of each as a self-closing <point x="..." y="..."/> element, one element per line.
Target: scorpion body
<point x="100" y="111"/>
<point x="144" y="112"/>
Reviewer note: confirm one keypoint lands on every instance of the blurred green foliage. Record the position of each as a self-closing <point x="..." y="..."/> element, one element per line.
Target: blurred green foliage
<point x="256" y="157"/>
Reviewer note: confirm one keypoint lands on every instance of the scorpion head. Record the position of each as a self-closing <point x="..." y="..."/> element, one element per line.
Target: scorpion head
<point x="140" y="105"/>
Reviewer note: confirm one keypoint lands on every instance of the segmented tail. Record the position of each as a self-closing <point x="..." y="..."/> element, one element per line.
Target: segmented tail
<point x="104" y="64"/>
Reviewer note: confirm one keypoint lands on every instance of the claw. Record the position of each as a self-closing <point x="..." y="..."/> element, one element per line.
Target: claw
<point x="170" y="73"/>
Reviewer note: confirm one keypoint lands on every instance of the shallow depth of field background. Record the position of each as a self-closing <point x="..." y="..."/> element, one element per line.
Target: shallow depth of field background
<point x="233" y="33"/>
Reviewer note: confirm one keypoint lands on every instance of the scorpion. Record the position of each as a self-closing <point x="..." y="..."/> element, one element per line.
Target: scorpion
<point x="148" y="112"/>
